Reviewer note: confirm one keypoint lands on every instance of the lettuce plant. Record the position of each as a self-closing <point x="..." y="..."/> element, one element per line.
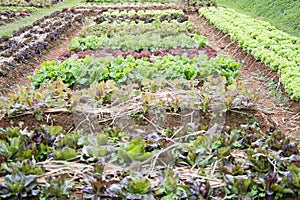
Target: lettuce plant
<point x="19" y="186"/>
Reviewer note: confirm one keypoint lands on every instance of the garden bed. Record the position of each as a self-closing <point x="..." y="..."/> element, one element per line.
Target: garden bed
<point x="121" y="117"/>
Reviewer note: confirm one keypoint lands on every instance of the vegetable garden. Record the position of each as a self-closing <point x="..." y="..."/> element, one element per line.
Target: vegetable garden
<point x="148" y="100"/>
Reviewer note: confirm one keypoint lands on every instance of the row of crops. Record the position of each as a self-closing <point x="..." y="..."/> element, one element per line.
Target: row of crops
<point x="186" y="2"/>
<point x="30" y="41"/>
<point x="31" y="3"/>
<point x="11" y="11"/>
<point x="139" y="107"/>
<point x="276" y="49"/>
<point x="9" y="14"/>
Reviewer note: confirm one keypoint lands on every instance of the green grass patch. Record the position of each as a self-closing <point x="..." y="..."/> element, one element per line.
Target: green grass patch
<point x="17" y="8"/>
<point x="40" y="13"/>
<point x="283" y="14"/>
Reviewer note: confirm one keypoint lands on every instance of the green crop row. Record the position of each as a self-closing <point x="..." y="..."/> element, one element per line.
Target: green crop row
<point x="145" y="41"/>
<point x="283" y="14"/>
<point x="124" y="70"/>
<point x="103" y="1"/>
<point x="163" y="28"/>
<point x="143" y="13"/>
<point x="128" y="4"/>
<point x="276" y="49"/>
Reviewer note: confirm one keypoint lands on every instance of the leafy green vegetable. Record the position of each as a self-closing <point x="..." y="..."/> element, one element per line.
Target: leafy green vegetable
<point x="276" y="49"/>
<point x="146" y="41"/>
<point x="163" y="29"/>
<point x="142" y="12"/>
<point x="71" y="140"/>
<point x="66" y="153"/>
<point x="170" y="187"/>
<point x="94" y="147"/>
<point x="19" y="186"/>
<point x="56" y="187"/>
<point x="28" y="166"/>
<point x="29" y="99"/>
<point x="99" y="187"/>
<point x="134" y="151"/>
<point x="138" y="185"/>
<point x="121" y="70"/>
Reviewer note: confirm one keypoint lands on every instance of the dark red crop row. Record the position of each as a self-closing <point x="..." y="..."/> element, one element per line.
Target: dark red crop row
<point x="33" y="3"/>
<point x="30" y="41"/>
<point x="209" y="51"/>
<point x="7" y="16"/>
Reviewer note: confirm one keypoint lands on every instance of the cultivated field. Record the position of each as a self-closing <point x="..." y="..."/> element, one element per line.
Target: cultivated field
<point x="102" y="99"/>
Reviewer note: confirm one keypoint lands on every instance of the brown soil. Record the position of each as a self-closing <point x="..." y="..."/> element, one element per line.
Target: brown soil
<point x="31" y="122"/>
<point x="286" y="117"/>
<point x="69" y="121"/>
